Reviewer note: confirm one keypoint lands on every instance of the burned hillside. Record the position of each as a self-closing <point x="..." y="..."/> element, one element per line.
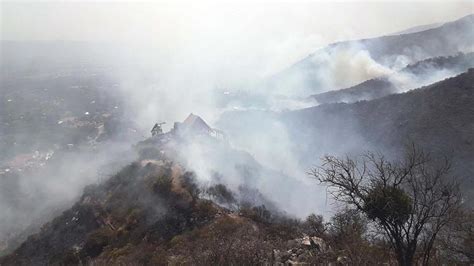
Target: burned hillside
<point x="153" y="211"/>
<point x="202" y="133"/>
<point x="417" y="75"/>
<point x="439" y="117"/>
<point x="310" y="75"/>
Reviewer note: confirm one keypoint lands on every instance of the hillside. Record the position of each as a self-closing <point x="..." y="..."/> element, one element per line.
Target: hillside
<point x="53" y="118"/>
<point x="417" y="28"/>
<point x="316" y="73"/>
<point x="459" y="62"/>
<point x="155" y="212"/>
<point x="418" y="73"/>
<point x="439" y="117"/>
<point x="283" y="133"/>
<point x="367" y="90"/>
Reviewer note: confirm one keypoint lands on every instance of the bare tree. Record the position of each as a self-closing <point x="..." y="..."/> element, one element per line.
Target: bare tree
<point x="410" y="200"/>
<point x="457" y="239"/>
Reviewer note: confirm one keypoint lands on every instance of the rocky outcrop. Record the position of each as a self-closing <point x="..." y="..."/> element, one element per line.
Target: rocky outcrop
<point x="301" y="251"/>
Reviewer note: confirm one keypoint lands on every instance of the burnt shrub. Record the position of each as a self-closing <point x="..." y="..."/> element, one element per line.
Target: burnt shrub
<point x="96" y="241"/>
<point x="204" y="210"/>
<point x="256" y="213"/>
<point x="149" y="153"/>
<point x="162" y="185"/>
<point x="314" y="225"/>
<point x="221" y="194"/>
<point x="226" y="241"/>
<point x="189" y="183"/>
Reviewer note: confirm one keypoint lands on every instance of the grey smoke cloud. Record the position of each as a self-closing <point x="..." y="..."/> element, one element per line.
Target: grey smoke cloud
<point x="29" y="198"/>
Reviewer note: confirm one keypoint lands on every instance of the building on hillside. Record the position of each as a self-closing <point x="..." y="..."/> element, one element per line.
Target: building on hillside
<point x="194" y="125"/>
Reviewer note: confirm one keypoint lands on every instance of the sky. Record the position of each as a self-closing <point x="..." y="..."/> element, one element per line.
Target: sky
<point x="261" y="37"/>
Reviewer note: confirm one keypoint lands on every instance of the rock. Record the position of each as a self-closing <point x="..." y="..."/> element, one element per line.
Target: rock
<point x="306" y="241"/>
<point x="313" y="243"/>
<point x="318" y="243"/>
<point x="342" y="260"/>
<point x="301" y="250"/>
<point x="276" y="256"/>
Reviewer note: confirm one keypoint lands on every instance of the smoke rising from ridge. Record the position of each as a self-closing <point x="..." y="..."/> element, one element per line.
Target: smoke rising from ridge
<point x="208" y="61"/>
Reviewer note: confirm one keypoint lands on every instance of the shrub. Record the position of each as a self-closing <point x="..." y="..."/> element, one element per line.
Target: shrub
<point x="256" y="213"/>
<point x="189" y="183"/>
<point x="388" y="204"/>
<point x="221" y="194"/>
<point x="162" y="185"/>
<point x="314" y="225"/>
<point x="96" y="241"/>
<point x="149" y="153"/>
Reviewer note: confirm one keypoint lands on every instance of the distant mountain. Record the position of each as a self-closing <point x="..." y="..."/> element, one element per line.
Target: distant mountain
<point x="418" y="28"/>
<point x="419" y="73"/>
<point x="367" y="90"/>
<point x="439" y="117"/>
<point x="348" y="63"/>
<point x="459" y="62"/>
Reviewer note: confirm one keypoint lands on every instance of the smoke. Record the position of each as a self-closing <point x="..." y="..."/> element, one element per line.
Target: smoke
<point x="30" y="196"/>
<point x="347" y="66"/>
<point x="271" y="169"/>
<point x="162" y="66"/>
<point x="266" y="152"/>
<point x="405" y="81"/>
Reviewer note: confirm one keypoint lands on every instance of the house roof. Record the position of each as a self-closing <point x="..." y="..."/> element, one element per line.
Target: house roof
<point x="195" y="122"/>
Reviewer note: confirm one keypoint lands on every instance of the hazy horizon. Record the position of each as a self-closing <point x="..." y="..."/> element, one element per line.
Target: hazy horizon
<point x="269" y="36"/>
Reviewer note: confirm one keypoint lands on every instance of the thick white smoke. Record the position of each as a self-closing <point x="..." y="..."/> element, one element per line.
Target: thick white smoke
<point x="348" y="66"/>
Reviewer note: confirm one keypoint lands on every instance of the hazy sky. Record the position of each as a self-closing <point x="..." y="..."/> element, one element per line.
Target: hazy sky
<point x="263" y="35"/>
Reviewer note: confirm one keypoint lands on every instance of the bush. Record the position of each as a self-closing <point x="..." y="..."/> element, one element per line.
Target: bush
<point x="149" y="153"/>
<point x="189" y="183"/>
<point x="221" y="194"/>
<point x="388" y="204"/>
<point x="204" y="210"/>
<point x="227" y="241"/>
<point x="256" y="213"/>
<point x="96" y="241"/>
<point x="162" y="185"/>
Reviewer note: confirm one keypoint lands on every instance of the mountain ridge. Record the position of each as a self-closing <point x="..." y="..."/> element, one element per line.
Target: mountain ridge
<point x="311" y="73"/>
<point x="441" y="113"/>
<point x="383" y="86"/>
